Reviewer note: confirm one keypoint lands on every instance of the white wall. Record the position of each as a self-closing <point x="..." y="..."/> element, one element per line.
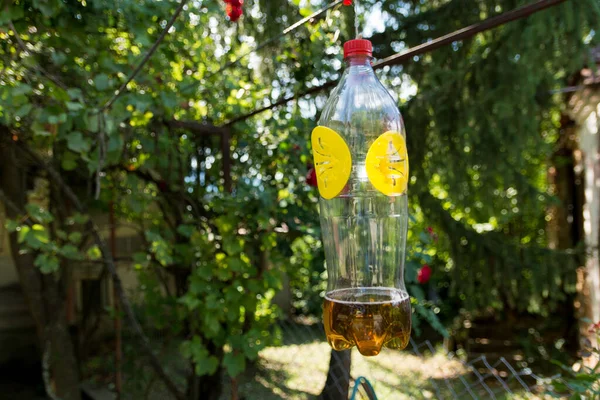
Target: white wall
<point x="585" y="110"/>
<point x="589" y="143"/>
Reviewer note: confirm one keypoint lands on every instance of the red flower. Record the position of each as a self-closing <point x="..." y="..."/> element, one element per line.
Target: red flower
<point x="595" y="328"/>
<point x="311" y="177"/>
<point x="432" y="233"/>
<point x="234" y="12"/>
<point x="347" y="2"/>
<point x="424" y="274"/>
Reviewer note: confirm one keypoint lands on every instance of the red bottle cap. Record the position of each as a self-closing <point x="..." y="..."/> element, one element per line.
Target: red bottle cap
<point x="357" y="47"/>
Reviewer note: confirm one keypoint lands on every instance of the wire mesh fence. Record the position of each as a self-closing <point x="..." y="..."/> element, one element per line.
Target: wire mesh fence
<point x="423" y="370"/>
<point x="297" y="368"/>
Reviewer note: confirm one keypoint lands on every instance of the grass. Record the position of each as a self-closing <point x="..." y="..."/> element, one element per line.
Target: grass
<point x="297" y="369"/>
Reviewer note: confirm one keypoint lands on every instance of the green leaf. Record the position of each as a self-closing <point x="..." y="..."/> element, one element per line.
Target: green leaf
<point x="185" y="230"/>
<point x="77" y="143"/>
<point x="72" y="106"/>
<point x="34" y="237"/>
<point x="236" y="264"/>
<point x="235" y="363"/>
<point x="80" y="218"/>
<point x="38" y="213"/>
<point x="75" y="94"/>
<point x="208" y="366"/>
<point x="24" y="110"/>
<point x="190" y="302"/>
<point x="71" y="252"/>
<point x="23" y="232"/>
<point x="21" y="90"/>
<point x="46" y="263"/>
<point x="59" y="118"/>
<point x="232" y="245"/>
<point x="68" y="163"/>
<point x="58" y="57"/>
<point x="94" y="253"/>
<point x="40" y="232"/>
<point x="101" y="82"/>
<point x="114" y="149"/>
<point x="39" y="129"/>
<point x="140" y="257"/>
<point x="160" y="248"/>
<point x="11" y="13"/>
<point x="91" y="122"/>
<point x="75" y="237"/>
<point x="11" y="225"/>
<point x="49" y="8"/>
<point x="205" y="364"/>
<point x="141" y="260"/>
<point x="591" y="378"/>
<point x="424" y="238"/>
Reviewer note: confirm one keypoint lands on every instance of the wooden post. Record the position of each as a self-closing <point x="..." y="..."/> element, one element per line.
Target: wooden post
<point x="338" y="377"/>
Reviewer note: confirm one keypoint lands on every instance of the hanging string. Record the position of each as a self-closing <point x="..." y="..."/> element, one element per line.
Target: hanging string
<point x="356" y="23"/>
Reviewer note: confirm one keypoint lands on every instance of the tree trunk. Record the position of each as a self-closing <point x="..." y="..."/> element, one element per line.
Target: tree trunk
<point x="44" y="294"/>
<point x="338" y="377"/>
<point x="58" y="351"/>
<point x="565" y="224"/>
<point x="208" y="387"/>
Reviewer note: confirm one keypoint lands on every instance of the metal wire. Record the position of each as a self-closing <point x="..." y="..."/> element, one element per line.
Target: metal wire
<point x="483" y="378"/>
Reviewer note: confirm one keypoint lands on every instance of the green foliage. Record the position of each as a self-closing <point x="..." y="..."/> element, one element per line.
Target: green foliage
<point x="38" y="214"/>
<point x="195" y="350"/>
<point x="582" y="383"/>
<point x="234" y="363"/>
<point x="49" y="250"/>
<point x="212" y="261"/>
<point x="47" y="264"/>
<point x="420" y="251"/>
<point x="481" y="128"/>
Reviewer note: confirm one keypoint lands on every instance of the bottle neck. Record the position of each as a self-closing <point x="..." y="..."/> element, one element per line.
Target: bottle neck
<point x="359" y="63"/>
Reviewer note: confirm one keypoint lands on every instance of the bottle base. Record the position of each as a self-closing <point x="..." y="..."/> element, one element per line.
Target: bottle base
<point x="368" y="318"/>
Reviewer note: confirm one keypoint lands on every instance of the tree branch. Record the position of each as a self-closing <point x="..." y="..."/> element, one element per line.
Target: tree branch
<point x="199" y="128"/>
<point x="405" y="56"/>
<point x="310" y="19"/>
<point x="41" y="70"/>
<point x="147" y="56"/>
<point x="18" y="210"/>
<point x="109" y="263"/>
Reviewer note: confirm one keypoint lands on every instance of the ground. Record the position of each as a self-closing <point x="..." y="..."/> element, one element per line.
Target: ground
<point x="298" y="367"/>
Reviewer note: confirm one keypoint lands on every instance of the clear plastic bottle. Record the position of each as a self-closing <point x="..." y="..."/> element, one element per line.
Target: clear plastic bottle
<point x="359" y="150"/>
